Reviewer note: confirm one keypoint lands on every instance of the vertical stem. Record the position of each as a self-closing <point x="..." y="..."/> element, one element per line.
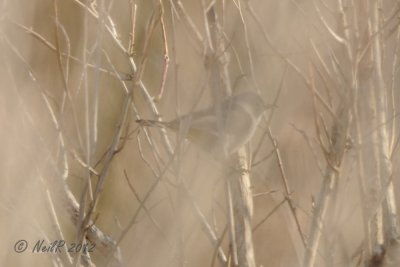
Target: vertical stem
<point x="239" y="197"/>
<point x="322" y="204"/>
<point x="385" y="171"/>
<point x="242" y="210"/>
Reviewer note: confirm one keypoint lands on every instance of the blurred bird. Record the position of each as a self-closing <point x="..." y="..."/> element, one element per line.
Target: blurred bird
<point x="222" y="128"/>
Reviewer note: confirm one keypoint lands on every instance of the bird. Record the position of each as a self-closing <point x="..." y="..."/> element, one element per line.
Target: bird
<point x="222" y="128"/>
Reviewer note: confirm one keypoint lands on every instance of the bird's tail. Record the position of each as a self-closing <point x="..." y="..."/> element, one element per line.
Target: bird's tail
<point x="151" y="123"/>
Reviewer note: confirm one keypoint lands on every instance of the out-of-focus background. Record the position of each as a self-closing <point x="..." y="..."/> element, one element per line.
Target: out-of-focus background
<point x="75" y="165"/>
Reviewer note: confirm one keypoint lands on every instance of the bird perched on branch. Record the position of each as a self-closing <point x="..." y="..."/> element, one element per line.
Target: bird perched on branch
<point x="222" y="128"/>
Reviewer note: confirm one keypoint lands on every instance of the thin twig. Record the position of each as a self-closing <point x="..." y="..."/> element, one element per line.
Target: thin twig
<point x="286" y="186"/>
